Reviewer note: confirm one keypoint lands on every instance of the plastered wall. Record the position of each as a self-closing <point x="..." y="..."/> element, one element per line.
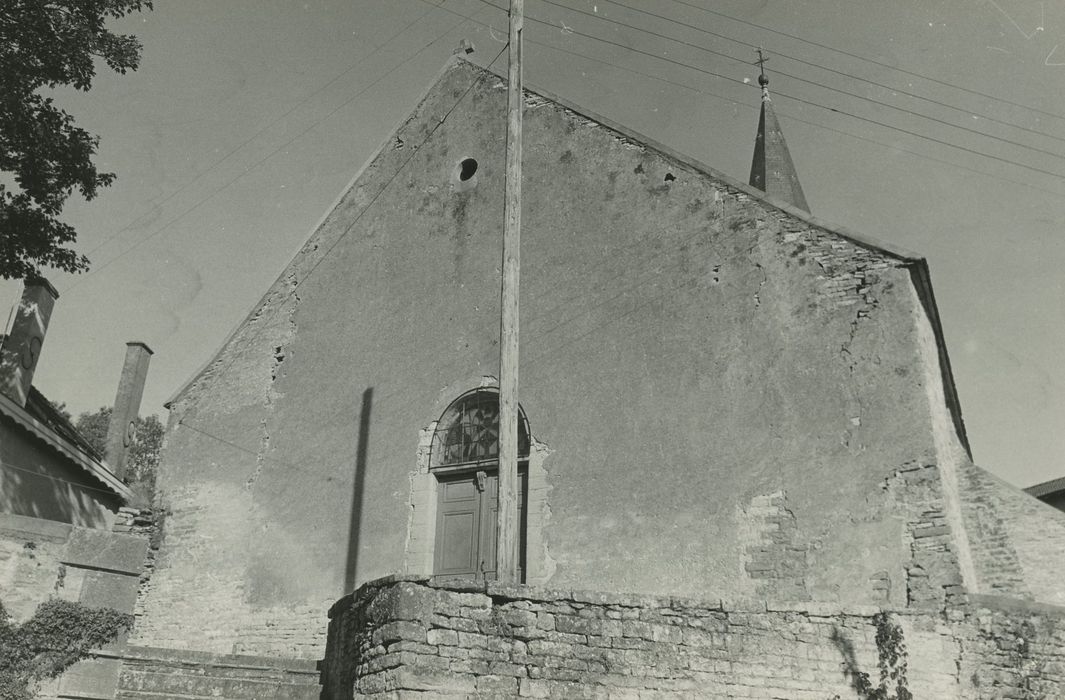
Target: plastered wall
<point x="726" y="394"/>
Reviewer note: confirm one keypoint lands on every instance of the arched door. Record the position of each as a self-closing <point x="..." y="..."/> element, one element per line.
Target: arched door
<point x="465" y="460"/>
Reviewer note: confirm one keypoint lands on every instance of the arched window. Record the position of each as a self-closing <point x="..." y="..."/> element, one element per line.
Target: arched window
<point x="468" y="432"/>
<point x="464" y="456"/>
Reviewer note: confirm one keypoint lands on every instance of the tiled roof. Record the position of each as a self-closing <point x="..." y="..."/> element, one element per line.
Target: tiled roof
<point x="38" y="406"/>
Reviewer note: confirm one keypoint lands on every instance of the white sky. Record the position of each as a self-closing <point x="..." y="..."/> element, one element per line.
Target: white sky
<point x="248" y="117"/>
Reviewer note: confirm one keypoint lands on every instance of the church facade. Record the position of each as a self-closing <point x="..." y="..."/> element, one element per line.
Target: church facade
<point x="721" y="396"/>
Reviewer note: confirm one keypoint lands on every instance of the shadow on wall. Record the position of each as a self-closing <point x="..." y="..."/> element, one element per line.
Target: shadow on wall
<point x="357" y="491"/>
<point x="28" y="489"/>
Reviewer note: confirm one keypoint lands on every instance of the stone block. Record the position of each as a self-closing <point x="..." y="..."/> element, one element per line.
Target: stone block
<point x="577" y="625"/>
<point x="637" y="629"/>
<point x="105" y="589"/>
<point x="441" y="636"/>
<point x="91" y="678"/>
<point x="435" y="682"/>
<point x="476" y="667"/>
<point x="506" y="668"/>
<point x="399" y="631"/>
<point x="100" y="549"/>
<point x="520" y="618"/>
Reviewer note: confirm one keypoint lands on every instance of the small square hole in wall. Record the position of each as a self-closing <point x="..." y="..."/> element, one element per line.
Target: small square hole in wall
<point x="464" y="175"/>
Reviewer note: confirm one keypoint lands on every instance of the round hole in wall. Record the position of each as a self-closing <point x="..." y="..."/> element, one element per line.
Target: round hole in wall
<point x="467" y="169"/>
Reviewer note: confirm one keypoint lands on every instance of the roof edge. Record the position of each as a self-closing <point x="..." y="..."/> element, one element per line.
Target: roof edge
<point x="42" y="432"/>
<point x="199" y="372"/>
<point x="917" y="263"/>
<point x="860" y="239"/>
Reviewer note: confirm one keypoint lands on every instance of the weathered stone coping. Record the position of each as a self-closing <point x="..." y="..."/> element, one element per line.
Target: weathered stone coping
<point x="507" y="592"/>
<point x="189" y="657"/>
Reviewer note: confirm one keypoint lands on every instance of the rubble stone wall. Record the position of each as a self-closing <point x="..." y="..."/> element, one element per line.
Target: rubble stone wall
<point x="396" y="636"/>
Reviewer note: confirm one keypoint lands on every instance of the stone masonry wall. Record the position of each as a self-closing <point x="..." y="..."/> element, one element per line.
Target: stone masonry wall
<point x="397" y="637"/>
<point x="42" y="559"/>
<point x="153" y="673"/>
<point x="1016" y="539"/>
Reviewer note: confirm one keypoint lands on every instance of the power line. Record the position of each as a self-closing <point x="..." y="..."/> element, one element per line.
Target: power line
<point x="798" y="99"/>
<point x="249" y="169"/>
<point x="648" y="279"/>
<point x="34" y="472"/>
<point x="259" y="131"/>
<point x="814" y="65"/>
<point x="868" y="60"/>
<point x="448" y="364"/>
<point x="787" y="114"/>
<point x="325" y="254"/>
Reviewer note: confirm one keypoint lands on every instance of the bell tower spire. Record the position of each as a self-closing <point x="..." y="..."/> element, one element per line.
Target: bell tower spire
<point x="772" y="170"/>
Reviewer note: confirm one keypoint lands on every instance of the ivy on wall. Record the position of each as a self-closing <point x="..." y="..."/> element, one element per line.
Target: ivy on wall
<point x="59" y="634"/>
<point x="891" y="663"/>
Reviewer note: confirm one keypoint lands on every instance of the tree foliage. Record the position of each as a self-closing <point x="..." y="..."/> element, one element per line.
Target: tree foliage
<point x="142" y="460"/>
<point x="46" y="44"/>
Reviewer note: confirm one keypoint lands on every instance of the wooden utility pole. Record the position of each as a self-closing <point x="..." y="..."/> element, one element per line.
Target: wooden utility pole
<point x="507" y="530"/>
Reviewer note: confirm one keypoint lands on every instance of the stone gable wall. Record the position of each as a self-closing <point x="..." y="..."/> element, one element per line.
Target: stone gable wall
<point x="396" y="636"/>
<point x="662" y="295"/>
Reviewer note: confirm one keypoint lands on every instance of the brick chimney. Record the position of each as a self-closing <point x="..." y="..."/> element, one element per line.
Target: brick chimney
<point x="127" y="406"/>
<point x="22" y="346"/>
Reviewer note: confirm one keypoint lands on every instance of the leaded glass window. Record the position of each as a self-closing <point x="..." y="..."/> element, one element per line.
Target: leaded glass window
<point x="468" y="432"/>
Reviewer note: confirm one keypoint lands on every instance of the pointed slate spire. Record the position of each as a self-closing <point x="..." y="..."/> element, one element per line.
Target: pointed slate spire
<point x="772" y="170"/>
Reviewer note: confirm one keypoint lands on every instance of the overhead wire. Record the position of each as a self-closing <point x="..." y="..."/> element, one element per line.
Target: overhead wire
<point x="556" y="328"/>
<point x="535" y="360"/>
<point x="178" y="190"/>
<point x="595" y="38"/>
<point x="698" y="47"/>
<point x="797" y="99"/>
<point x="369" y="205"/>
<point x="262" y="160"/>
<point x="648" y="280"/>
<point x="789" y="115"/>
<point x="34" y="472"/>
<point x="870" y="60"/>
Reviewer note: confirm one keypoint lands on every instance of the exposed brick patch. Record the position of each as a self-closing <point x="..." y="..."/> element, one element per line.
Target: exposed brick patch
<point x="933" y="575"/>
<point x="147" y="522"/>
<point x="776" y="559"/>
<point x="880" y="584"/>
<point x="848" y="271"/>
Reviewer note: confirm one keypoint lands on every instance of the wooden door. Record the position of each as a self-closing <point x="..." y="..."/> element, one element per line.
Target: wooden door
<point x="466" y="522"/>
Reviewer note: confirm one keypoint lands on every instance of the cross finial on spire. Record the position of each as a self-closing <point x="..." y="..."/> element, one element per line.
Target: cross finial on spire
<point x="763" y="80"/>
<point x="771" y="168"/>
